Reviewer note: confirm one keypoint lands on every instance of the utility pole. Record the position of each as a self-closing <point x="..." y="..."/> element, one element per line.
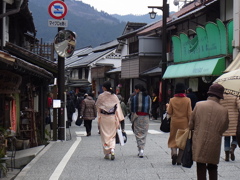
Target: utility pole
<point x="163" y="63"/>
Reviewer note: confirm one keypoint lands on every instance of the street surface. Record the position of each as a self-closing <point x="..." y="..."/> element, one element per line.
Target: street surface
<point x="82" y="158"/>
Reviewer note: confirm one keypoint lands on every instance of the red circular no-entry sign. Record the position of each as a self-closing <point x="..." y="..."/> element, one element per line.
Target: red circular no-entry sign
<point x="57" y="9"/>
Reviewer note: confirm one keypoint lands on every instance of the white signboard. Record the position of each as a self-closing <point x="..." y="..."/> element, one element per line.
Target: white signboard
<point x="57" y="23"/>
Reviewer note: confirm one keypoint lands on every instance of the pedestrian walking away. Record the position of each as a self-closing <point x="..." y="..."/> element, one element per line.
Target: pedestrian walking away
<point x="109" y="117"/>
<point x="192" y="96"/>
<point x="232" y="104"/>
<point x="209" y="120"/>
<point x="179" y="108"/>
<point x="155" y="105"/>
<point x="141" y="110"/>
<point x="124" y="110"/>
<point x="88" y="112"/>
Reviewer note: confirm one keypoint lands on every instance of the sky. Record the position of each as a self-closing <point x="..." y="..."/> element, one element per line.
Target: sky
<point x="124" y="7"/>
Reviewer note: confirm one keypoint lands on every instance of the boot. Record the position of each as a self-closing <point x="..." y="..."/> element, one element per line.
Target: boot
<point x="226" y="155"/>
<point x="232" y="149"/>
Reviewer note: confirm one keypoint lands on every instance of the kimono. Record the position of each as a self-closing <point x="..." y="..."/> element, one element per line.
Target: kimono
<point x="109" y="117"/>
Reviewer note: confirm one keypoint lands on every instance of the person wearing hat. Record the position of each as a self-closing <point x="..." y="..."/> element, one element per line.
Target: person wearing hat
<point x="209" y="120"/>
<point x="179" y="108"/>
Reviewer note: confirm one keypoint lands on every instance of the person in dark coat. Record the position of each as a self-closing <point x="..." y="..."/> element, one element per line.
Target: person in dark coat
<point x="209" y="120"/>
<point x="192" y="96"/>
<point x="70" y="108"/>
<point x="155" y="104"/>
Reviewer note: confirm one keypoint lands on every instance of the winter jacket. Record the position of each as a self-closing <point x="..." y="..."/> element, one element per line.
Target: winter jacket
<point x="232" y="103"/>
<point x="180" y="111"/>
<point x="88" y="109"/>
<point x="209" y="120"/>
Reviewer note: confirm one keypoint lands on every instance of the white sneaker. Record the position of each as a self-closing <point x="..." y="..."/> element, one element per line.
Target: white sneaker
<point x="140" y="154"/>
<point x="112" y="154"/>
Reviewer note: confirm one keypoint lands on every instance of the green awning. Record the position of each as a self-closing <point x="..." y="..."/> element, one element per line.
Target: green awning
<point x="210" y="67"/>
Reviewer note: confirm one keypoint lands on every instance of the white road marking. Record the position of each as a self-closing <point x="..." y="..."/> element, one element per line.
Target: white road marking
<point x="154" y="132"/>
<point x="59" y="169"/>
<point x="81" y="133"/>
<point x="129" y="132"/>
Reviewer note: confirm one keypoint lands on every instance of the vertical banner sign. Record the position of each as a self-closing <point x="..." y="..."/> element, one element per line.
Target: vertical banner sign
<point x="57" y="9"/>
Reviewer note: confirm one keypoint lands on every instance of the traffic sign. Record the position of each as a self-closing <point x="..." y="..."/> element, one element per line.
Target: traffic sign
<point x="57" y="9"/>
<point x="57" y="23"/>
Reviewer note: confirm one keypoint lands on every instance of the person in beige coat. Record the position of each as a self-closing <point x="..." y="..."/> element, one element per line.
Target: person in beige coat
<point x="232" y="103"/>
<point x="209" y="120"/>
<point x="179" y="108"/>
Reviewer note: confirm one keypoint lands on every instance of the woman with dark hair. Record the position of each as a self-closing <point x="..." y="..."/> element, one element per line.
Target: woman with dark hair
<point x="179" y="108"/>
<point x="109" y="117"/>
<point x="88" y="112"/>
<point x="141" y="109"/>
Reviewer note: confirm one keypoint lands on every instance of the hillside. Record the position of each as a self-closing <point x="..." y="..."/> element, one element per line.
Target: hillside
<point x="92" y="27"/>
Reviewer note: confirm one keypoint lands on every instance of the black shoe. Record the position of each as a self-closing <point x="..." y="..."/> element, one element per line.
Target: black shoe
<point x="174" y="159"/>
<point x="88" y="134"/>
<point x="179" y="163"/>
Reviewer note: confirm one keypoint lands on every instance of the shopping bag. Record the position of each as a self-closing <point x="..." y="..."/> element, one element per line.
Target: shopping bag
<point x="165" y="125"/>
<point x="121" y="137"/>
<point x="79" y="121"/>
<point x="75" y="115"/>
<point x="187" y="153"/>
<point x="181" y="138"/>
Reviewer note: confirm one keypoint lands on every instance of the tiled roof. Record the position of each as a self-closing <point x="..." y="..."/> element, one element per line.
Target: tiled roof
<point x="84" y="61"/>
<point x="183" y="11"/>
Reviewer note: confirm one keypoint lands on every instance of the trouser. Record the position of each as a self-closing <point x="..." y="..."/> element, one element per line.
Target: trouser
<point x="141" y="125"/>
<point x="202" y="171"/>
<point x="154" y="112"/>
<point x="228" y="143"/>
<point x="179" y="154"/>
<point x="88" y="125"/>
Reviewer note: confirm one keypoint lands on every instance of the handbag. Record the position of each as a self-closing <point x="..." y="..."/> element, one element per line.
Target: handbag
<point x="165" y="125"/>
<point x="181" y="138"/>
<point x="187" y="160"/>
<point x="121" y="137"/>
<point x="79" y="121"/>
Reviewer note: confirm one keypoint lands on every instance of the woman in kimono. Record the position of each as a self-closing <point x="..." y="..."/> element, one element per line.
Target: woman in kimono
<point x="109" y="117"/>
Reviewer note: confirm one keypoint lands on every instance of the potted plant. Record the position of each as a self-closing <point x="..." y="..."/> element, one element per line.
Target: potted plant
<point x="3" y="146"/>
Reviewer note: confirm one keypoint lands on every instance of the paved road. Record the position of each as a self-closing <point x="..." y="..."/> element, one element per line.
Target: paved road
<point x="82" y="158"/>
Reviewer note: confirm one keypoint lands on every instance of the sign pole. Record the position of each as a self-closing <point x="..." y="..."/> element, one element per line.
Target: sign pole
<point x="61" y="84"/>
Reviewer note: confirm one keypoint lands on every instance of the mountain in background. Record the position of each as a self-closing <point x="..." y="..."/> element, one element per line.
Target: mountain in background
<point x="91" y="26"/>
<point x="136" y="18"/>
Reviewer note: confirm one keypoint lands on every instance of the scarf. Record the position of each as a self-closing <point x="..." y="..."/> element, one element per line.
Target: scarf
<point x="141" y="103"/>
<point x="180" y="95"/>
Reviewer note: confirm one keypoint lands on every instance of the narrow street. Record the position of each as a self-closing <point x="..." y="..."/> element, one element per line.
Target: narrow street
<point x="82" y="158"/>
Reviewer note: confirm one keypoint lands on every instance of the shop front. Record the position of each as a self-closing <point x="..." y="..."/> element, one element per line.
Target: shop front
<point x="200" y="59"/>
<point x="23" y="99"/>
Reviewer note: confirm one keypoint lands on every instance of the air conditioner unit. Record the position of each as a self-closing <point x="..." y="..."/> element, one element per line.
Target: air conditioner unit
<point x="169" y="56"/>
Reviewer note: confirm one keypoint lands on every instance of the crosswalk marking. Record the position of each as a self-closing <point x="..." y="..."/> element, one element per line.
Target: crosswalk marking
<point x="129" y="132"/>
<point x="154" y="132"/>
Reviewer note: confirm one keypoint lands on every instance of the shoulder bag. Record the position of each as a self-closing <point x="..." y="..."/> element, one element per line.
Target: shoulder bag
<point x="165" y="125"/>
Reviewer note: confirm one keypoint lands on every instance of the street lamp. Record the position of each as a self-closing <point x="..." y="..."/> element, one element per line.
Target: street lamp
<point x="165" y="10"/>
